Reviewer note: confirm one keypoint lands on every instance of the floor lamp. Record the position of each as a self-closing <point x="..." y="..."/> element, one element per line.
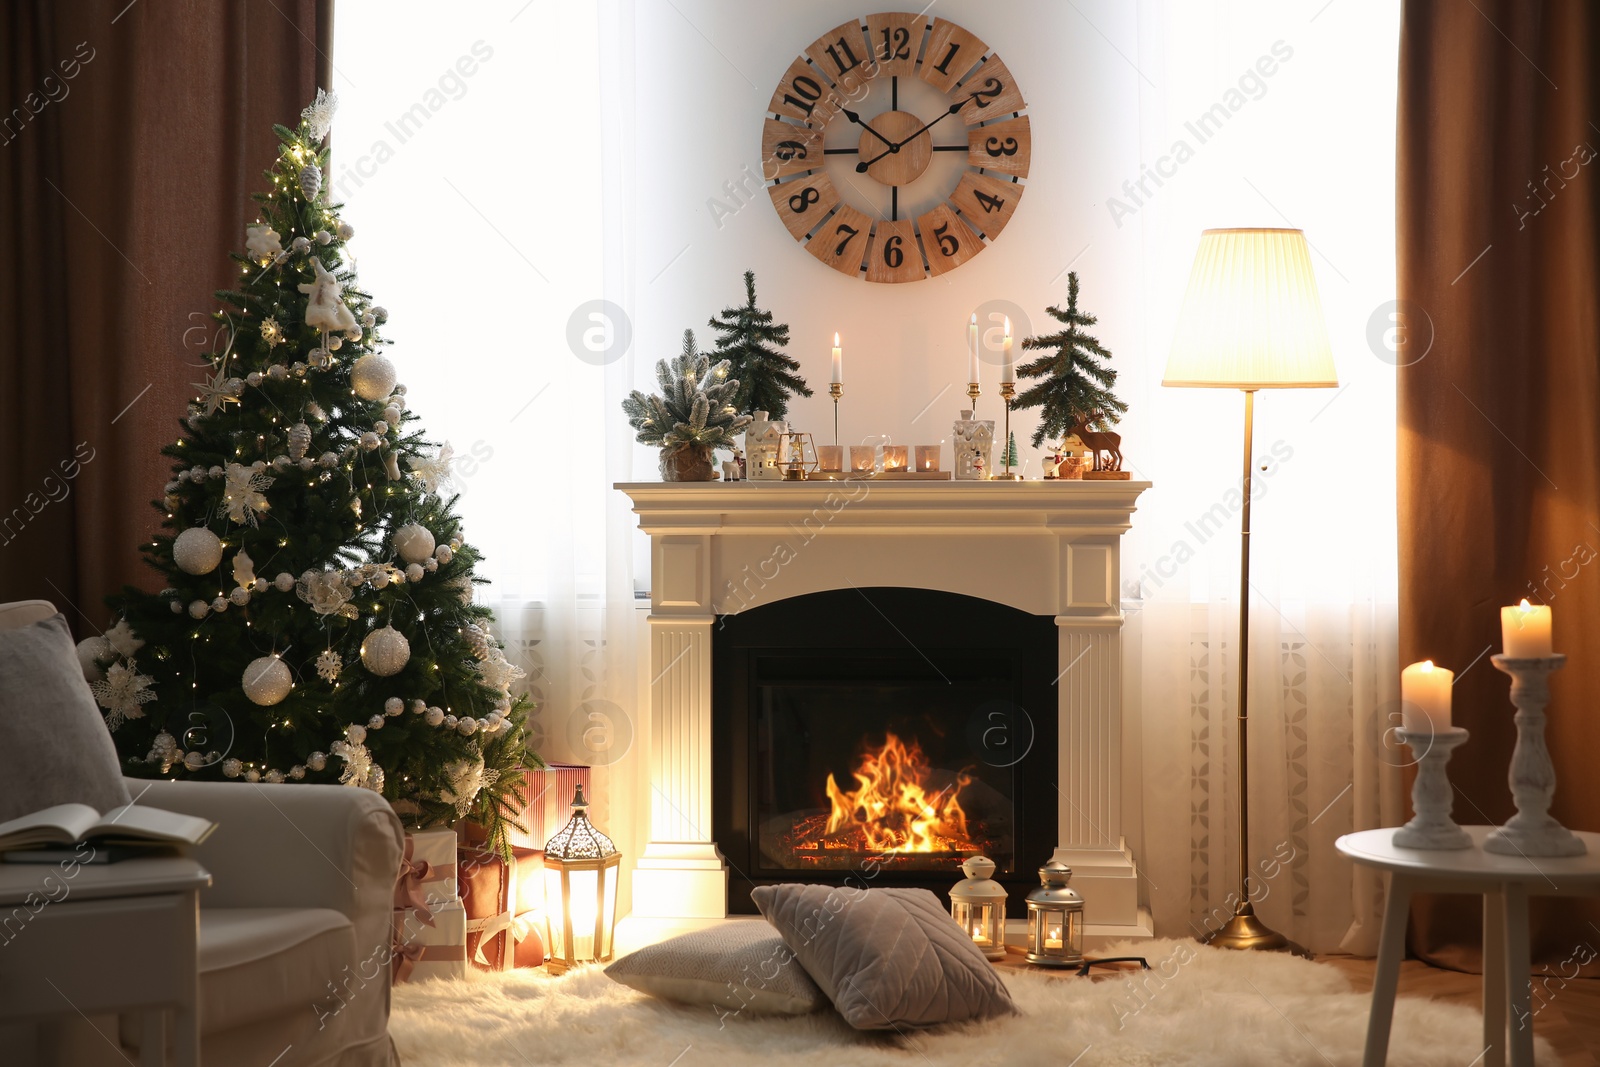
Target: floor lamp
<point x="1250" y="320"/>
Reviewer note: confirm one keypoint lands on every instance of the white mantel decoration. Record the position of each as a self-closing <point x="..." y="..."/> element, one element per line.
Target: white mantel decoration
<point x="1044" y="548"/>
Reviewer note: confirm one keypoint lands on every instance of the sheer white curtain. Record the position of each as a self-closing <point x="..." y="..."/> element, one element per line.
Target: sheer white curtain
<point x="471" y="149"/>
<point x="1257" y="113"/>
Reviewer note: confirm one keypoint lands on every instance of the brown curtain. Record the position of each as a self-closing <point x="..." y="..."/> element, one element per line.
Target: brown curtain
<point x="1499" y="424"/>
<point x="135" y="135"/>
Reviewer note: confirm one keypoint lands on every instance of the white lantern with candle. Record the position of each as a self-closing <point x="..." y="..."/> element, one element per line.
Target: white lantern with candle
<point x="580" y="867"/>
<point x="978" y="905"/>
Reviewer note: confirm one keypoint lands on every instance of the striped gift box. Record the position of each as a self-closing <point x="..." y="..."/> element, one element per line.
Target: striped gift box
<point x="547" y="801"/>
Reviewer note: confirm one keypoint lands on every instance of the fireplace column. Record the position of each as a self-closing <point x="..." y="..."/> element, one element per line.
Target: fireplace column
<point x="681" y="874"/>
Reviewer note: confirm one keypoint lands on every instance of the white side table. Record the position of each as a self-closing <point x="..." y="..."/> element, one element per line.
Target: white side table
<point x="116" y="937"/>
<point x="1506" y="883"/>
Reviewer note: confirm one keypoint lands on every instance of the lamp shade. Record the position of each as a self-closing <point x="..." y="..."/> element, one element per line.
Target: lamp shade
<point x="1251" y="317"/>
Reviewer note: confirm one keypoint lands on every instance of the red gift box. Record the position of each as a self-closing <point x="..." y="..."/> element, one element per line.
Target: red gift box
<point x="504" y="907"/>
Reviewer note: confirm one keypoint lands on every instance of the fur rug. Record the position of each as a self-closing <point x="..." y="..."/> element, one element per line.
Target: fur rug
<point x="1196" y="1005"/>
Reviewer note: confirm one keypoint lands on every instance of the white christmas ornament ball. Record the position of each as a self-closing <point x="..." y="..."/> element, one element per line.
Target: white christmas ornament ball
<point x="194" y="760"/>
<point x="393" y="706"/>
<point x="240" y="596"/>
<point x="197" y="551"/>
<point x="252" y="776"/>
<point x="267" y="680"/>
<point x="375" y="723"/>
<point x="385" y="652"/>
<point x="414" y="572"/>
<point x="177" y="607"/>
<point x="219" y="605"/>
<point x="297" y="772"/>
<point x="372" y="377"/>
<point x="434" y="716"/>
<point x="391" y="415"/>
<point x="232" y="768"/>
<point x="355" y="733"/>
<point x="275" y="777"/>
<point x="91" y="649"/>
<point x="316" y="761"/>
<point x="413" y="543"/>
<point x="346" y="231"/>
<point x="443" y="554"/>
<point x="197" y="609"/>
<point x="467" y="726"/>
<point x="283" y="582"/>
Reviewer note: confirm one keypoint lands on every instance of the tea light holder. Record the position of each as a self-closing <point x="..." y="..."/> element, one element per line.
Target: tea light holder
<point x="927" y="457"/>
<point x="830" y="458"/>
<point x="1532" y="831"/>
<point x="1055" y="919"/>
<point x="894" y="458"/>
<point x="1431" y="827"/>
<point x="863" y="459"/>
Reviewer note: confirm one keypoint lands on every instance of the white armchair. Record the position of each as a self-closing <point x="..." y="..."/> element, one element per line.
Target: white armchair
<point x="295" y="929"/>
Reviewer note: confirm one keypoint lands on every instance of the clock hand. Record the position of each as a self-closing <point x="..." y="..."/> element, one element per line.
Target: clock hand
<point x="861" y="168"/>
<point x="853" y="117"/>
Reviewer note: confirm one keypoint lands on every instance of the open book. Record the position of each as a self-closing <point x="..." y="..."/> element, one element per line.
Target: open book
<point x="66" y="824"/>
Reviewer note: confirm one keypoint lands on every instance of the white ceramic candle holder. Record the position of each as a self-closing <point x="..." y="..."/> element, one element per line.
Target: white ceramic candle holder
<point x="1431" y="827"/>
<point x="1532" y="831"/>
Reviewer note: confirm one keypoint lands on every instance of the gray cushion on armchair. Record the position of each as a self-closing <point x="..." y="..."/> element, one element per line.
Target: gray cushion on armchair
<point x="54" y="747"/>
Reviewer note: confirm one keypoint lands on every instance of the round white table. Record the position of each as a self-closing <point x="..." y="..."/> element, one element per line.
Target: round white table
<point x="1506" y="883"/>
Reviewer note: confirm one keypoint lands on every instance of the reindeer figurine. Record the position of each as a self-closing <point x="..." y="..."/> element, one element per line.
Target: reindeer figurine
<point x="1105" y="444"/>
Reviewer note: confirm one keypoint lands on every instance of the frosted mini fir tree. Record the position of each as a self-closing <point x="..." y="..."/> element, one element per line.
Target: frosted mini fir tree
<point x="752" y="344"/>
<point x="1075" y="387"/>
<point x="317" y="622"/>
<point x="692" y="415"/>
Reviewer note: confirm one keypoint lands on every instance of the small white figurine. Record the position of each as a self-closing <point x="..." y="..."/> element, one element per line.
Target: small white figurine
<point x="326" y="308"/>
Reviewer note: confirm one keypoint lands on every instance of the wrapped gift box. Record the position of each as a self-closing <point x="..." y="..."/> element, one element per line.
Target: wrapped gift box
<point x="436" y="849"/>
<point x="547" y="801"/>
<point x="427" y="952"/>
<point x="504" y="907"/>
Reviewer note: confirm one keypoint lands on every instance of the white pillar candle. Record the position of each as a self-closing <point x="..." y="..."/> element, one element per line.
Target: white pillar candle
<point x="1008" y="370"/>
<point x="838" y="374"/>
<point x="972" y="349"/>
<point x="1425" y="698"/>
<point x="1525" y="631"/>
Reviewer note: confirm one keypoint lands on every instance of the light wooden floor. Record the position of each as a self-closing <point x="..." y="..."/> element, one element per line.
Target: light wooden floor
<point x="1568" y="1016"/>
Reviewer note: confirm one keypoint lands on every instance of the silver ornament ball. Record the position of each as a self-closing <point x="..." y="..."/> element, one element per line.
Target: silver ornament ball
<point x="197" y="551"/>
<point x="372" y="377"/>
<point x="385" y="652"/>
<point x="267" y="680"/>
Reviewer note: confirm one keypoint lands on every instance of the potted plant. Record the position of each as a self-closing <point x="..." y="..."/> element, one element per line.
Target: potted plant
<point x="692" y="415"/>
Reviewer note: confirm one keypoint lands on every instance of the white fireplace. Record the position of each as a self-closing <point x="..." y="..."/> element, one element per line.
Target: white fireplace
<point x="1045" y="548"/>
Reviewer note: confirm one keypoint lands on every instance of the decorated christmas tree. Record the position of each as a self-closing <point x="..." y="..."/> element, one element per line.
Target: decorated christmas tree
<point x="752" y="344"/>
<point x="692" y="415"/>
<point x="1075" y="390"/>
<point x="317" y="623"/>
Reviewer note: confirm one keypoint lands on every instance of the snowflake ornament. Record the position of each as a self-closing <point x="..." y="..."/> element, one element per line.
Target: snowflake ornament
<point x="329" y="665"/>
<point x="271" y="332"/>
<point x="121" y="692"/>
<point x="318" y="115"/>
<point x="244" y="493"/>
<point x="467" y="778"/>
<point x="122" y="638"/>
<point x="216" y="392"/>
<point x="435" y="473"/>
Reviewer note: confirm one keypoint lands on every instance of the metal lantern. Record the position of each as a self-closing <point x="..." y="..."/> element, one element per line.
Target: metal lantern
<point x="1055" y="919"/>
<point x="580" y="873"/>
<point x="978" y="905"/>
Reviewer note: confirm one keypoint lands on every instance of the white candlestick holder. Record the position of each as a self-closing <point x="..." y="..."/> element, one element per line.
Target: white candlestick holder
<point x="1431" y="796"/>
<point x="1532" y="831"/>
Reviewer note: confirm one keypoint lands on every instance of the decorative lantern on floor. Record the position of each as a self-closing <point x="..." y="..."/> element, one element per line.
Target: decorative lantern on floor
<point x="978" y="905"/>
<point x="580" y="879"/>
<point x="1055" y="919"/>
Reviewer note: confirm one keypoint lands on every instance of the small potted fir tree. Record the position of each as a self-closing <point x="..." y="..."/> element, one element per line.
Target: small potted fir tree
<point x="692" y="415"/>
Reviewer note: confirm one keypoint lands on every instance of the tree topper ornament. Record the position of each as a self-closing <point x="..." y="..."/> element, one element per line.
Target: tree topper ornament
<point x="326" y="308"/>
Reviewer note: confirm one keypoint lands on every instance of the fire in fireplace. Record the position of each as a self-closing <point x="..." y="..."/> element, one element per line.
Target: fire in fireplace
<point x="889" y="742"/>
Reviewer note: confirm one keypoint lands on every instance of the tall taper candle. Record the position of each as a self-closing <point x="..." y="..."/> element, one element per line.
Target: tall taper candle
<point x="1525" y="631"/>
<point x="838" y="374"/>
<point x="1008" y="369"/>
<point x="972" y="349"/>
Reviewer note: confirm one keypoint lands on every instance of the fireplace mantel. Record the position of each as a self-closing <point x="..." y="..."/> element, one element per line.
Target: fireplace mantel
<point x="1047" y="548"/>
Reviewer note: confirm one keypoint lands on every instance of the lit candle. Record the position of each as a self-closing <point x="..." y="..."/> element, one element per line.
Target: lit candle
<point x="927" y="457"/>
<point x="1425" y="698"/>
<point x="1525" y="631"/>
<point x="1052" y="937"/>
<point x="1008" y="370"/>
<point x="972" y="349"/>
<point x="894" y="457"/>
<point x="838" y="375"/>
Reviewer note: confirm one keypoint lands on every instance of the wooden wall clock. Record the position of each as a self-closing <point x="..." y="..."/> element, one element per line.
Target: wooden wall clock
<point x="834" y="141"/>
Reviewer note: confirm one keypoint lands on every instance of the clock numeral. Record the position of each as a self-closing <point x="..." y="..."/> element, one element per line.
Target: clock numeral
<point x="850" y="232"/>
<point x="808" y="89"/>
<point x="893" y="256"/>
<point x="833" y="54"/>
<point x="897" y="46"/>
<point x="799" y="202"/>
<point x="944" y="64"/>
<point x="947" y="241"/>
<point x="992" y="87"/>
<point x="996" y="147"/>
<point x="990" y="203"/>
<point x="787" y="150"/>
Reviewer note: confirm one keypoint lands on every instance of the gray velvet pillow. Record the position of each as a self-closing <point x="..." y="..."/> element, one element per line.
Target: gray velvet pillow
<point x="737" y="967"/>
<point x="54" y="746"/>
<point x="887" y="958"/>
